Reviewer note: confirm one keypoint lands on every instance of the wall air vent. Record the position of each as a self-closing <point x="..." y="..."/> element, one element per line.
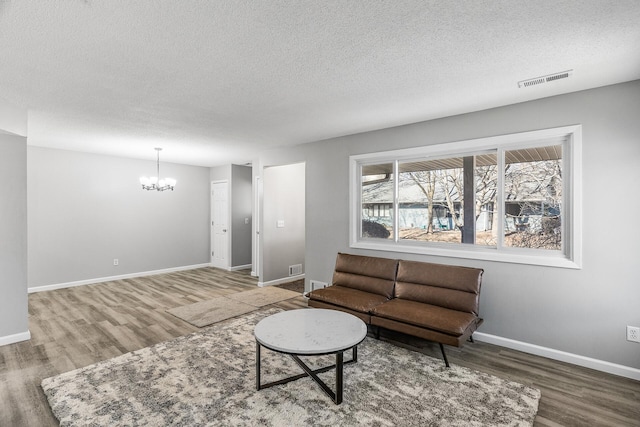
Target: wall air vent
<point x="545" y="79"/>
<point x="295" y="270"/>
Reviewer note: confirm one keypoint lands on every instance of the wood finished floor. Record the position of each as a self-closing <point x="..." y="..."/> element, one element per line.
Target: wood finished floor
<point x="75" y="327"/>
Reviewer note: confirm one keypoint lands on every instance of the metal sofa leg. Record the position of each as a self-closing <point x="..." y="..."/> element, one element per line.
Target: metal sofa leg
<point x="444" y="355"/>
<point x="471" y="338"/>
<point x="377" y="332"/>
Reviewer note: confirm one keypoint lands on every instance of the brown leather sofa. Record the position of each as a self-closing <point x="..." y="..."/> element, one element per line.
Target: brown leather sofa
<point x="432" y="301"/>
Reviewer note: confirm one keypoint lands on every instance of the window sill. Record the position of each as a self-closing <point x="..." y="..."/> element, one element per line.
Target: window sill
<point x="475" y="253"/>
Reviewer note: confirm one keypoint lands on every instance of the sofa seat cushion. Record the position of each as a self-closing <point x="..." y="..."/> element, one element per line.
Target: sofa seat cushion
<point x="350" y="298"/>
<point x="428" y="316"/>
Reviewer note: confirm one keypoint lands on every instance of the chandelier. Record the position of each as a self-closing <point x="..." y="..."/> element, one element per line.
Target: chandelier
<point x="155" y="183"/>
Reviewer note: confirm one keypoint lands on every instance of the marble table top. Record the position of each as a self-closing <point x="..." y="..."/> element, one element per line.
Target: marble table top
<point x="310" y="331"/>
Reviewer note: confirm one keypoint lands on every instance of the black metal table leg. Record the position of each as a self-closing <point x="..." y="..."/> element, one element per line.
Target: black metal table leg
<point x="257" y="365"/>
<point x="339" y="377"/>
<point x="313" y="373"/>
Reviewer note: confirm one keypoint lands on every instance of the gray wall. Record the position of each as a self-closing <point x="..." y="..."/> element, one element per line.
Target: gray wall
<point x="283" y="199"/>
<point x="238" y="178"/>
<point x="241" y="203"/>
<point x="582" y="312"/>
<point x="220" y="173"/>
<point x="13" y="237"/>
<point x="84" y="210"/>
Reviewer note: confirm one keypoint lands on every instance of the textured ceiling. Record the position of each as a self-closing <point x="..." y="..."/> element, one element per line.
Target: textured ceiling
<point x="214" y="82"/>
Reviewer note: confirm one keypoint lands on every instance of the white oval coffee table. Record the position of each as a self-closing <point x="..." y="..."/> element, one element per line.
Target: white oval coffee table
<point x="311" y="332"/>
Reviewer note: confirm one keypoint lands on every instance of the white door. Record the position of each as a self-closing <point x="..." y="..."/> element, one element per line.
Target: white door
<point x="220" y="224"/>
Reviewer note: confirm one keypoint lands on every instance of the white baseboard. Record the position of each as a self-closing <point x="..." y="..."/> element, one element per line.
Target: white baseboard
<point x="111" y="278"/>
<point x="280" y="281"/>
<point x="575" y="359"/>
<point x="240" y="267"/>
<point x="10" y="339"/>
<point x="227" y="268"/>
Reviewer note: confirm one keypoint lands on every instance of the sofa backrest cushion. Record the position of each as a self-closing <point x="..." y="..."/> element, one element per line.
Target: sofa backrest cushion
<point x="370" y="274"/>
<point x="457" y="288"/>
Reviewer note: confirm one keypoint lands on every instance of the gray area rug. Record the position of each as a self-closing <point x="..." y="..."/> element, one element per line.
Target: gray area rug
<point x="208" y="378"/>
<point x="263" y="296"/>
<point x="211" y="311"/>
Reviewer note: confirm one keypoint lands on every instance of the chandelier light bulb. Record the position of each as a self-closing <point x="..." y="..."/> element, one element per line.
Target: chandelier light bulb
<point x="154" y="183"/>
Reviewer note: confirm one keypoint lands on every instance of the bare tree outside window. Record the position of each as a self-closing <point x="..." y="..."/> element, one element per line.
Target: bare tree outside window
<point x="430" y="200"/>
<point x="437" y="209"/>
<point x="486" y="179"/>
<point x="426" y="182"/>
<point x="533" y="198"/>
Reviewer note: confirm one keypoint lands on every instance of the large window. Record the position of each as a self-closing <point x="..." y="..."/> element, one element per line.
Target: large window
<point x="511" y="198"/>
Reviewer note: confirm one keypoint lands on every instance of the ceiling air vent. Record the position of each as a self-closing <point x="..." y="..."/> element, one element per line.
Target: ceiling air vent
<point x="545" y="79"/>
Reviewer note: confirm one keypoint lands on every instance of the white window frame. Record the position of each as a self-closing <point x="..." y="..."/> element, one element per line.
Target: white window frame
<point x="570" y="256"/>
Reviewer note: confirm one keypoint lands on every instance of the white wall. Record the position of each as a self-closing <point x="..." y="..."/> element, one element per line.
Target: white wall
<point x="581" y="312"/>
<point x="283" y="200"/>
<point x="84" y="210"/>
